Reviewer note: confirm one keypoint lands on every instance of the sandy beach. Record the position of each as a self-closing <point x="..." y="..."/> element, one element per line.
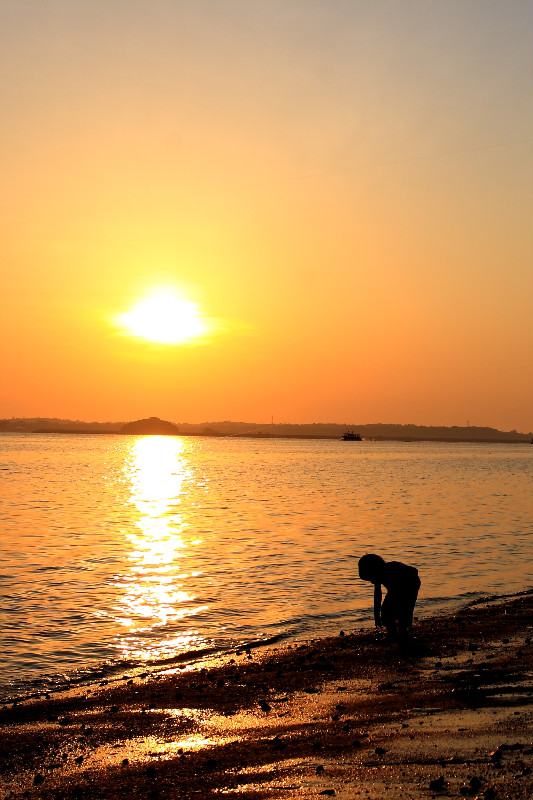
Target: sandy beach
<point x="348" y="716"/>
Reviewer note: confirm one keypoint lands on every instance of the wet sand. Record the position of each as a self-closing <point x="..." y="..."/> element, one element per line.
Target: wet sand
<point x="350" y="716"/>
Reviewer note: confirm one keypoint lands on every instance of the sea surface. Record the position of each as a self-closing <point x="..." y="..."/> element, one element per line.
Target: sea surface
<point x="121" y="551"/>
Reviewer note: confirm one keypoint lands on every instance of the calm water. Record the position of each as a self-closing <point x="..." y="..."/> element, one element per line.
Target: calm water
<point x="119" y="550"/>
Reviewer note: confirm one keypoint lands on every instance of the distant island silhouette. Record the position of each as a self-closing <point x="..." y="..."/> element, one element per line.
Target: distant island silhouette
<point x="318" y="430"/>
<point x="153" y="426"/>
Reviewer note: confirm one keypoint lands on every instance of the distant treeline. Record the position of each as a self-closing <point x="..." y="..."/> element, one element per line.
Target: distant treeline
<point x="318" y="430"/>
<point x="50" y="424"/>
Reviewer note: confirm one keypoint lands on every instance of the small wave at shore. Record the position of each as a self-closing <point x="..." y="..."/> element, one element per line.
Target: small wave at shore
<point x="17" y="689"/>
<point x="302" y="628"/>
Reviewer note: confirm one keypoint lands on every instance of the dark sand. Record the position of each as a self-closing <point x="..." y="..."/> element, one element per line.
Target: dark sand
<point x="347" y="716"/>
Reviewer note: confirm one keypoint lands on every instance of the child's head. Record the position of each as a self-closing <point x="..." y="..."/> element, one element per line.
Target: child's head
<point x="370" y="567"/>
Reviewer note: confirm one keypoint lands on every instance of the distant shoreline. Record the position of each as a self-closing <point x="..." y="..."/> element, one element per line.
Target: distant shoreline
<point x="377" y="431"/>
<point x="262" y="435"/>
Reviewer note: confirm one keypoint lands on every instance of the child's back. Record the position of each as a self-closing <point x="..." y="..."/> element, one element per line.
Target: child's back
<point x="396" y="576"/>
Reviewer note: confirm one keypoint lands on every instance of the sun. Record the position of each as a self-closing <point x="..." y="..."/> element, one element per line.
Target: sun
<point x="165" y="318"/>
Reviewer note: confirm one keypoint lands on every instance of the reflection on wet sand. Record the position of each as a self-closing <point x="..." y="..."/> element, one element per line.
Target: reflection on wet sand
<point x="153" y="593"/>
<point x="400" y="724"/>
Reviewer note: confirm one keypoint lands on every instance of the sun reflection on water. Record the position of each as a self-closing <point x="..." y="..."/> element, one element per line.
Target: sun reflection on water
<point x="154" y="602"/>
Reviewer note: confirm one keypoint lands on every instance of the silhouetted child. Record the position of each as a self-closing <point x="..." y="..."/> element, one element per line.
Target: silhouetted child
<point x="402" y="584"/>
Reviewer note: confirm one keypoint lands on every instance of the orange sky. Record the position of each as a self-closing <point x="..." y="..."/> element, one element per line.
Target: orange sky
<point x="343" y="187"/>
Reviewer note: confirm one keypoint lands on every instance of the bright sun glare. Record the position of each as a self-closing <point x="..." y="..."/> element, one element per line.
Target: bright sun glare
<point x="165" y="318"/>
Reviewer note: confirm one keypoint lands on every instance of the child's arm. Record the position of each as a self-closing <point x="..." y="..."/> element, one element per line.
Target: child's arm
<point x="377" y="604"/>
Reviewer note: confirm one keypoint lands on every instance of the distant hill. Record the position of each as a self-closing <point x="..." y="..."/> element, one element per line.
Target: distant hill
<point x="318" y="430"/>
<point x="153" y="426"/>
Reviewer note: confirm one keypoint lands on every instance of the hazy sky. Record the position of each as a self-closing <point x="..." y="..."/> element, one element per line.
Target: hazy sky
<point x="343" y="187"/>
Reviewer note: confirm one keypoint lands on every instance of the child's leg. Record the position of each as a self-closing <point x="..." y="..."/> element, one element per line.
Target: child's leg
<point x="406" y="608"/>
<point x="389" y="613"/>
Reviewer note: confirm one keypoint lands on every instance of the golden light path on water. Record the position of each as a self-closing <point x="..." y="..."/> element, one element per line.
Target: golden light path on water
<point x="153" y="591"/>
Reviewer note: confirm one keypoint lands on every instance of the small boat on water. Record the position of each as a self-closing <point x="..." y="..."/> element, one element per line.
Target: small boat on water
<point x="350" y="436"/>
